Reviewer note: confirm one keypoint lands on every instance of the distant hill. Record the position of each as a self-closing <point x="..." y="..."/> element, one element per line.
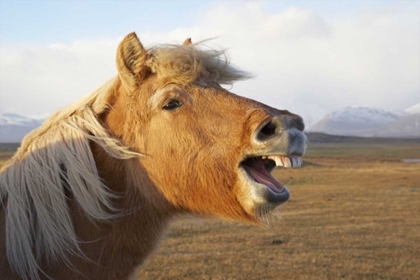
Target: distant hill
<point x="14" y="127"/>
<point x="371" y="122"/>
<point x="413" y="109"/>
<point x="322" y="138"/>
<point x="407" y="126"/>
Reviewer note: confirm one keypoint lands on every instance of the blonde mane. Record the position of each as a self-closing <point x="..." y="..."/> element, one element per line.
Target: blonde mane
<point x="56" y="159"/>
<point x="52" y="158"/>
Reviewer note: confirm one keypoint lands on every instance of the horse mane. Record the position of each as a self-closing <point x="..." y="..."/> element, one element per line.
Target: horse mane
<point x="53" y="160"/>
<point x="56" y="159"/>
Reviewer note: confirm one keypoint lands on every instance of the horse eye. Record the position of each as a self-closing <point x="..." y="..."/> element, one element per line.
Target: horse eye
<point x="172" y="105"/>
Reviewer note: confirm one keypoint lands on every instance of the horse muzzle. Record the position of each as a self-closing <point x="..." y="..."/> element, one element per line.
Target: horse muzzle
<point x="277" y="142"/>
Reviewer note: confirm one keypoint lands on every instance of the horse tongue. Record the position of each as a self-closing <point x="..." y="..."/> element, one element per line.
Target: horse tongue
<point x="262" y="176"/>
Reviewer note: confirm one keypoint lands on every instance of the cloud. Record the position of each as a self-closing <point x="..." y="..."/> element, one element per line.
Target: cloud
<point x="313" y="65"/>
<point x="39" y="80"/>
<point x="306" y="62"/>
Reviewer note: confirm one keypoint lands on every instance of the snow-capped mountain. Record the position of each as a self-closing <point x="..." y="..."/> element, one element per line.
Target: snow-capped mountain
<point x="407" y="126"/>
<point x="14" y="119"/>
<point x="371" y="122"/>
<point x="413" y="109"/>
<point x="14" y="127"/>
<point x="354" y="121"/>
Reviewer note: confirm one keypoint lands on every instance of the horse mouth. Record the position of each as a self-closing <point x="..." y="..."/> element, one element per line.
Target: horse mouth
<point x="263" y="184"/>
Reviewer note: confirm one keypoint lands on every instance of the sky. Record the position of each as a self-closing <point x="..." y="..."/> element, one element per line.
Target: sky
<point x="309" y="57"/>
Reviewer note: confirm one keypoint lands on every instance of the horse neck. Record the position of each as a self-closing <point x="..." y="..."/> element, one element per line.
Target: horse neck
<point x="120" y="245"/>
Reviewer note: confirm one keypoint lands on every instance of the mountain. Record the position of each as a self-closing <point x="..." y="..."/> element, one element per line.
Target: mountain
<point x="407" y="126"/>
<point x="354" y="121"/>
<point x="14" y="127"/>
<point x="413" y="109"/>
<point x="371" y="122"/>
<point x="317" y="137"/>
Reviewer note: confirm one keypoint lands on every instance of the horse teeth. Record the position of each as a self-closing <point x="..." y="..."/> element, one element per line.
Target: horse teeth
<point x="287" y="162"/>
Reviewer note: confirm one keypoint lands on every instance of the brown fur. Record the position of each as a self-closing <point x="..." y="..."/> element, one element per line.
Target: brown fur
<point x="187" y="158"/>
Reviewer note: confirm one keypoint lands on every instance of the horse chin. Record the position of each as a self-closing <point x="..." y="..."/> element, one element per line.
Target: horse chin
<point x="261" y="195"/>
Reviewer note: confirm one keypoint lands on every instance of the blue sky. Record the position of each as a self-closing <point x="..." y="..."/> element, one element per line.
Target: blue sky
<point x="49" y="21"/>
<point x="62" y="21"/>
<point x="311" y="57"/>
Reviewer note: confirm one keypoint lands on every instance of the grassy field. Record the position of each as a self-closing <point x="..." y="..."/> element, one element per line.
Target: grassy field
<point x="354" y="214"/>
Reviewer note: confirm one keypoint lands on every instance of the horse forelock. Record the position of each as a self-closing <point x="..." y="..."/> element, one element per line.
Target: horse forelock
<point x="184" y="64"/>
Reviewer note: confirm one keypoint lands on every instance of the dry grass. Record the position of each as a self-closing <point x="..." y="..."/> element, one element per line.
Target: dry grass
<point x="354" y="214"/>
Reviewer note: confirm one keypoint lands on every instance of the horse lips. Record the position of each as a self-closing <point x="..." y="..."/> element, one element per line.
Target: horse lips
<point x="257" y="168"/>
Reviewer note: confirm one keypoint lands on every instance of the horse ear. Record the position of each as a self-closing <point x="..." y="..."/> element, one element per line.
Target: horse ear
<point x="187" y="42"/>
<point x="131" y="58"/>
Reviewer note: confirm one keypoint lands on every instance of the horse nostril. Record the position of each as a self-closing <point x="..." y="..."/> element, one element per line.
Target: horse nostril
<point x="297" y="122"/>
<point x="267" y="131"/>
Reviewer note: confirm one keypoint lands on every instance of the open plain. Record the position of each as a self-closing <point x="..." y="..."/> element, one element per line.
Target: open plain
<point x="354" y="213"/>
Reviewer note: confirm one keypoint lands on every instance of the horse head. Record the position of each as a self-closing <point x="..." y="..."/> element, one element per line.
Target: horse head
<point x="206" y="149"/>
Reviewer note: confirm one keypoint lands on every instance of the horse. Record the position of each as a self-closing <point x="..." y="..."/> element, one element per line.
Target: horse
<point x="90" y="192"/>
